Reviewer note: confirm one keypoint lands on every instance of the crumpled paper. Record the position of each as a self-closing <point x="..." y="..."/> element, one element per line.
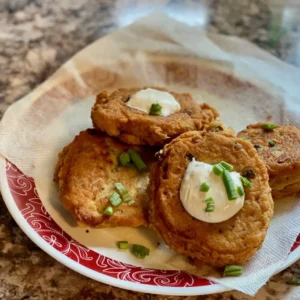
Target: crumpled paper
<point x="243" y="82"/>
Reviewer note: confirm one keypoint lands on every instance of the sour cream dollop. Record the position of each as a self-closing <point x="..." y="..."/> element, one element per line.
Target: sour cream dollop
<point x="143" y="99"/>
<point x="193" y="200"/>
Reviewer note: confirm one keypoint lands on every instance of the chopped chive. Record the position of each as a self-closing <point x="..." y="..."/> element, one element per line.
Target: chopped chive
<point x="209" y="200"/>
<point x="123" y="245"/>
<point x="246" y="182"/>
<point x="210" y="205"/>
<point x="218" y="169"/>
<point x="226" y="166"/>
<point x="139" y="251"/>
<point x="131" y="202"/>
<point x="126" y="196"/>
<point x="108" y="211"/>
<point x="119" y="186"/>
<point x="210" y="209"/>
<point x="269" y="126"/>
<point x="137" y="160"/>
<point x="115" y="199"/>
<point x="123" y="191"/>
<point x="272" y="144"/>
<point x="229" y="186"/>
<point x="124" y="159"/>
<point x="204" y="187"/>
<point x="155" y="109"/>
<point x="233" y="271"/>
<point x="293" y="282"/>
<point x="240" y="190"/>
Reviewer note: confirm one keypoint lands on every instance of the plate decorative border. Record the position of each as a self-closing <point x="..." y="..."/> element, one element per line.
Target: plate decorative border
<point x="28" y="202"/>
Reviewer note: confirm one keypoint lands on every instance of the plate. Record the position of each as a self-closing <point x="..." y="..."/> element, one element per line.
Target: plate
<point x="21" y="196"/>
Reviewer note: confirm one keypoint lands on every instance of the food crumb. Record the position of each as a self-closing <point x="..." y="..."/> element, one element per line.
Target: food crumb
<point x="87" y="231"/>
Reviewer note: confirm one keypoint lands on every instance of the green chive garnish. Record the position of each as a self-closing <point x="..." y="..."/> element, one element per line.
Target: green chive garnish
<point x="204" y="187"/>
<point x="124" y="159"/>
<point x="115" y="199"/>
<point x="240" y="190"/>
<point x="119" y="186"/>
<point x="131" y="202"/>
<point x="126" y="196"/>
<point x="229" y="185"/>
<point x="108" y="211"/>
<point x="226" y="166"/>
<point x="155" y="109"/>
<point x="269" y="126"/>
<point x="246" y="182"/>
<point x="209" y="200"/>
<point x="210" y="209"/>
<point x="122" y="245"/>
<point x="218" y="169"/>
<point x="272" y="144"/>
<point x="139" y="251"/>
<point x="123" y="191"/>
<point x="293" y="282"/>
<point x="233" y="271"/>
<point x="137" y="160"/>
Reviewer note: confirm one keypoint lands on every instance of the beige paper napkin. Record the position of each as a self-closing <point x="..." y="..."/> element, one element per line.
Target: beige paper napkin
<point x="35" y="128"/>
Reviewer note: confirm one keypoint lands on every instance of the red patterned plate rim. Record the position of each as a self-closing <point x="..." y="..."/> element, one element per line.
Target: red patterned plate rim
<point x="23" y="202"/>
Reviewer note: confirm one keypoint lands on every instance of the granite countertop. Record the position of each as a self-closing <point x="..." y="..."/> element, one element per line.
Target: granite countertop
<point x="37" y="36"/>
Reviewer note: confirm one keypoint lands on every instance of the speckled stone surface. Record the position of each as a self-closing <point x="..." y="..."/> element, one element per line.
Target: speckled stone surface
<point x="36" y="37"/>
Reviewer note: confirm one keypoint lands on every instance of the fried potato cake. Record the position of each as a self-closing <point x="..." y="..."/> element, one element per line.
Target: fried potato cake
<point x="86" y="172"/>
<point x="232" y="241"/>
<point x="280" y="151"/>
<point x="111" y="115"/>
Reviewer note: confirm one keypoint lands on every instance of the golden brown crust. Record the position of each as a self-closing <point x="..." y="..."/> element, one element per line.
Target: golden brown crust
<point x="282" y="160"/>
<point x="60" y="162"/>
<point x="218" y="126"/>
<point x="231" y="242"/>
<point x="111" y="115"/>
<point x="86" y="172"/>
<point x="288" y="190"/>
